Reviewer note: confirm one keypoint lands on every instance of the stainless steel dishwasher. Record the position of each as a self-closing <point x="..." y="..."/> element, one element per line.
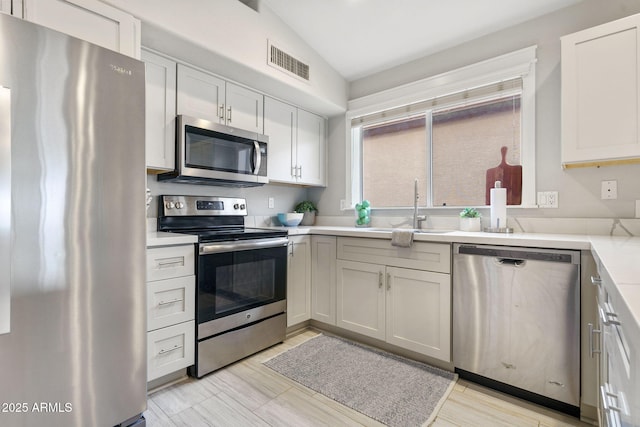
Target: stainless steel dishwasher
<point x="516" y="317"/>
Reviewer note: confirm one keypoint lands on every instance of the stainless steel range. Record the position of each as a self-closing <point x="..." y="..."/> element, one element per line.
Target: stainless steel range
<point x="241" y="278"/>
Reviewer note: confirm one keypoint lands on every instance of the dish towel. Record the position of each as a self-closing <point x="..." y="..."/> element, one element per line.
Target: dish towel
<point x="401" y="237"/>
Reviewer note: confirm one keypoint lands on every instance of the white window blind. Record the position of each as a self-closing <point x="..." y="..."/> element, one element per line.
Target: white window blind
<point x="495" y="90"/>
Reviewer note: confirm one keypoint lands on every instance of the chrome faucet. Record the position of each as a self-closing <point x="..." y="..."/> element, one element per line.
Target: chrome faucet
<point x="417" y="219"/>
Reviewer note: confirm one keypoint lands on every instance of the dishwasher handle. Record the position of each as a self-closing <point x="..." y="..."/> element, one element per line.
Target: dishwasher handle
<point x="562" y="256"/>
<point x="510" y="262"/>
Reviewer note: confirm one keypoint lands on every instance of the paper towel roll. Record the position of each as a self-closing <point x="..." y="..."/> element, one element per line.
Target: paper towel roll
<point x="498" y="199"/>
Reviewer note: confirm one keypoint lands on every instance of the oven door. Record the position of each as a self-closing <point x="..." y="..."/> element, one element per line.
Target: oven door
<point x="238" y="276"/>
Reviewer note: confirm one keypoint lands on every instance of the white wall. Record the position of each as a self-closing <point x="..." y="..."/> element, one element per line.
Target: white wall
<point x="579" y="189"/>
<point x="230" y="39"/>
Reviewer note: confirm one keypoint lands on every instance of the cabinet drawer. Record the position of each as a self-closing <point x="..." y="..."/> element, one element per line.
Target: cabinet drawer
<point x="170" y="301"/>
<point x="169" y="262"/>
<point x="420" y="256"/>
<point x="170" y="349"/>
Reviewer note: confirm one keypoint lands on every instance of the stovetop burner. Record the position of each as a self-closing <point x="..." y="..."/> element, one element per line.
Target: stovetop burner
<point x="212" y="219"/>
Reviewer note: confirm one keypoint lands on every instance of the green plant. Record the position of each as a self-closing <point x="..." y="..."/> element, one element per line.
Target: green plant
<point x="305" y="206"/>
<point x="469" y="213"/>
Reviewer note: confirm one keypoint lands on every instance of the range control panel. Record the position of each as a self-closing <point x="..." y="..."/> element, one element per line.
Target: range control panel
<point x="202" y="206"/>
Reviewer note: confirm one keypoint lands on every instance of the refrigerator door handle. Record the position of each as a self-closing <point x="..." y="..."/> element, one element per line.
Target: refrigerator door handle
<point x="5" y="209"/>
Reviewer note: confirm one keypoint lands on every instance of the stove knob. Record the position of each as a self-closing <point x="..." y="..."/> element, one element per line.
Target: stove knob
<point x="236" y="206"/>
<point x="179" y="205"/>
<point x="169" y="205"/>
<point x="242" y="207"/>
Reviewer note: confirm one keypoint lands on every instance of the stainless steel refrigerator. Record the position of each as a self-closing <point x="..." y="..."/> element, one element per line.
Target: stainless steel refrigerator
<point x="72" y="231"/>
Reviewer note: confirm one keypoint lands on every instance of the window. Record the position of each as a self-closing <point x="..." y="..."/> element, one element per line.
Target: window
<point x="447" y="141"/>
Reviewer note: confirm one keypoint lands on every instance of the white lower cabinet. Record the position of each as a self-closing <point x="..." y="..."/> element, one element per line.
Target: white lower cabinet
<point x="299" y="280"/>
<point x="323" y="279"/>
<point x="361" y="298"/>
<point x="170" y="349"/>
<point x="418" y="311"/>
<point x="170" y="309"/>
<point x="619" y="385"/>
<point x="406" y="307"/>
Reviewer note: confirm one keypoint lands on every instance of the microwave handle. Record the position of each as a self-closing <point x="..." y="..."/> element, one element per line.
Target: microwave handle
<point x="257" y="158"/>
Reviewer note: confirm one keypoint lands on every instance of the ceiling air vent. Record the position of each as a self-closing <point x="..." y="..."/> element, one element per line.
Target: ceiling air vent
<point x="285" y="62"/>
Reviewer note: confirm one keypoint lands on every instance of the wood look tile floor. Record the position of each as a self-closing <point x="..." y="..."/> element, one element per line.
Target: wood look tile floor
<point x="248" y="393"/>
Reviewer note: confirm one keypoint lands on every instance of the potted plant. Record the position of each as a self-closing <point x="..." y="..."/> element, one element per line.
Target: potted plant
<point x="309" y="210"/>
<point x="470" y="220"/>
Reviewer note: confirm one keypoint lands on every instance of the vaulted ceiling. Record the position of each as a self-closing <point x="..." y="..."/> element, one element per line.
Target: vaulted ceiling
<point x="362" y="37"/>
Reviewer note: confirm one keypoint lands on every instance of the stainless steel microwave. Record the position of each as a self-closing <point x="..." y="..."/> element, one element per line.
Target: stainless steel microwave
<point x="215" y="154"/>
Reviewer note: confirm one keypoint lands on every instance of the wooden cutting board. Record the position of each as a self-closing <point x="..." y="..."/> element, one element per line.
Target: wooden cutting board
<point x="511" y="178"/>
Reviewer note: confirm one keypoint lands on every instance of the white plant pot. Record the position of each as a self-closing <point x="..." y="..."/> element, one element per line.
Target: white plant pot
<point x="470" y="224"/>
<point x="309" y="218"/>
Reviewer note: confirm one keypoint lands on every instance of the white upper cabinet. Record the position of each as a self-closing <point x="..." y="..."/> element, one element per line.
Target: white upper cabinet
<point x="244" y="108"/>
<point x="160" y="111"/>
<point x="205" y="96"/>
<point x="90" y="20"/>
<point x="311" y="149"/>
<point x="200" y="95"/>
<point x="601" y="94"/>
<point x="280" y="126"/>
<point x="297" y="144"/>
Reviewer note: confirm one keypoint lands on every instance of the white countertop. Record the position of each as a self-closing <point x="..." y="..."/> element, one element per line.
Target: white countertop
<point x="558" y="241"/>
<point x="160" y="238"/>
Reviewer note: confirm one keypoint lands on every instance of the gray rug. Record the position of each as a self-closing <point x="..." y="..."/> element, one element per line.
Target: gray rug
<point x="388" y="388"/>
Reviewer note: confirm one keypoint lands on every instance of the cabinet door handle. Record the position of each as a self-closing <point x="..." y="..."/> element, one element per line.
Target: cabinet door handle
<point x="174" y="348"/>
<point x="221" y="111"/>
<point x="612" y="412"/>
<point x="388" y="281"/>
<point x="229" y="114"/>
<point x="596" y="280"/>
<point x="606" y="317"/>
<point x="380" y="279"/>
<point x="173" y="301"/>
<point x="299" y="171"/>
<point x="592" y="331"/>
<point x="170" y="262"/>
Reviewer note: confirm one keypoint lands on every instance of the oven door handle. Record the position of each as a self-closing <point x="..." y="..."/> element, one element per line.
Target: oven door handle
<point x="243" y="245"/>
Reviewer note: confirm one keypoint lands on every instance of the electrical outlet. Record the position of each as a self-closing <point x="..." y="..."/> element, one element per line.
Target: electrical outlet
<point x="272" y="203"/>
<point x="609" y="190"/>
<point x="343" y="204"/>
<point x="547" y="199"/>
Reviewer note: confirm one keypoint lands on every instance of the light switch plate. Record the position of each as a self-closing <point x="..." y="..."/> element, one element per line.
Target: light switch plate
<point x="272" y="203"/>
<point x="609" y="190"/>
